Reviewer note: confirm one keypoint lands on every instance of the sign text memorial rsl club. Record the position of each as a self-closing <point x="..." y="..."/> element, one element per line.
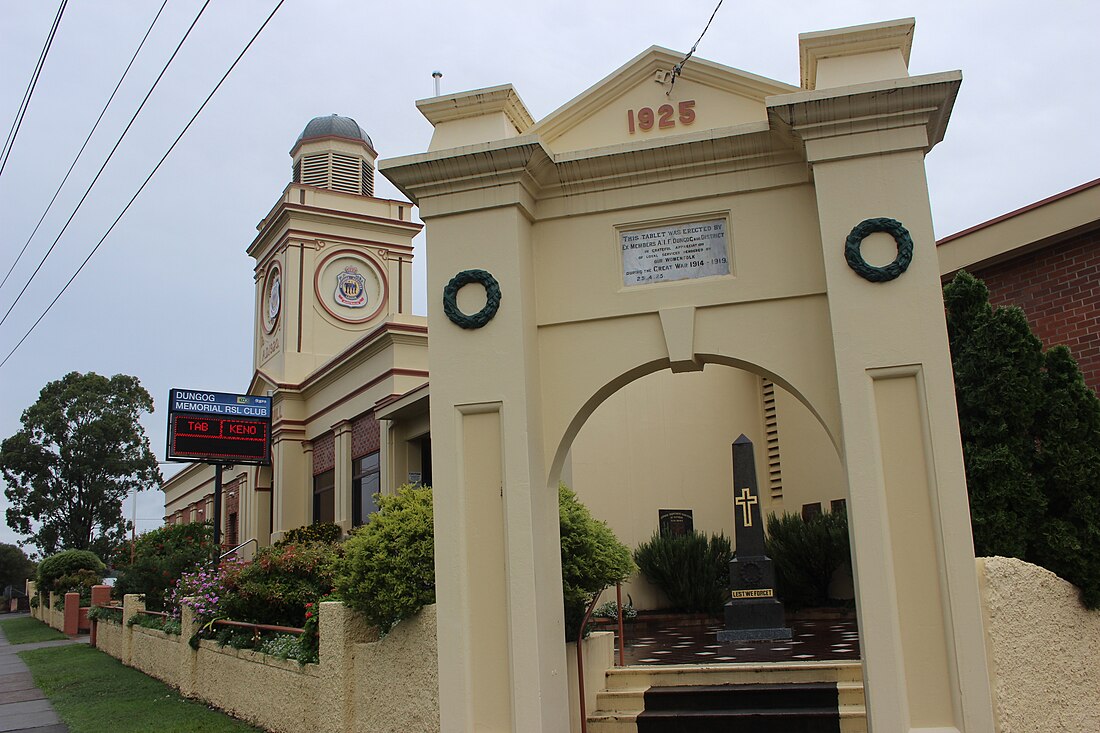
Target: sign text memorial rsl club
<point x="215" y="427"/>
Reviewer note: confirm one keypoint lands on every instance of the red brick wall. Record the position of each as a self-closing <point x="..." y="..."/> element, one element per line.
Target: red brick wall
<point x="324" y="453"/>
<point x="1059" y="289"/>
<point x="365" y="436"/>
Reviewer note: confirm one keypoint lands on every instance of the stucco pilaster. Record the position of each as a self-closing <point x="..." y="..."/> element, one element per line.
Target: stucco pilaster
<point x="912" y="552"/>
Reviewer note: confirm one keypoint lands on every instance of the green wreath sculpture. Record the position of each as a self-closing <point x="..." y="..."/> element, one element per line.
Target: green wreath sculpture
<point x="492" y="298"/>
<point x="887" y="272"/>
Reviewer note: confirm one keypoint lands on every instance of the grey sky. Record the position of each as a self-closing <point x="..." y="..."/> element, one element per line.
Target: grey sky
<point x="168" y="298"/>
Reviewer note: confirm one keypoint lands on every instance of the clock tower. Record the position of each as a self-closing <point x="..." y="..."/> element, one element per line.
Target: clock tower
<point x="333" y="262"/>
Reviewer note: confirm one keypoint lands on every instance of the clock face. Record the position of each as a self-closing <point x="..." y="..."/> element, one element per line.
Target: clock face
<point x="274" y="297"/>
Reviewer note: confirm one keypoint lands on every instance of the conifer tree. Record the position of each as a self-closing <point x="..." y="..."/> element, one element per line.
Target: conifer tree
<point x="998" y="388"/>
<point x="1067" y="542"/>
<point x="1031" y="440"/>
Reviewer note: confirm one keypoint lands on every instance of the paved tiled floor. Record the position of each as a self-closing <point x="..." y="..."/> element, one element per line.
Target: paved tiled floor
<point x="698" y="644"/>
<point x="23" y="707"/>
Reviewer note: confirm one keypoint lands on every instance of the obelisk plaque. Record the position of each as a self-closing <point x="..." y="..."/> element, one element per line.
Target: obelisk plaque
<point x="752" y="613"/>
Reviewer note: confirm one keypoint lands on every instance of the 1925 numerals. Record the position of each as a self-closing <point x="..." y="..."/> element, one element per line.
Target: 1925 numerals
<point x="665" y="117"/>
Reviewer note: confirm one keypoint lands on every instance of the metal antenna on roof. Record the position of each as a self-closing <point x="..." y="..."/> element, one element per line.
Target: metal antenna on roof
<point x="678" y="68"/>
<point x="437" y="75"/>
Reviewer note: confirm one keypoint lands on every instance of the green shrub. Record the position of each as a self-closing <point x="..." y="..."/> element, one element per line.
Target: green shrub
<point x="160" y="558"/>
<point x="167" y="624"/>
<point x="611" y="610"/>
<point x="592" y="558"/>
<point x="388" y="569"/>
<point x="327" y="532"/>
<point x="70" y="570"/>
<point x="102" y="613"/>
<point x="1031" y="440"/>
<point x="276" y="586"/>
<point x="281" y="646"/>
<point x="806" y="553"/>
<point x="692" y="570"/>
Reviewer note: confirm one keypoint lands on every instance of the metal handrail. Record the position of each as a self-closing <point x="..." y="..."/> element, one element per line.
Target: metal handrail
<point x="257" y="628"/>
<point x="222" y="557"/>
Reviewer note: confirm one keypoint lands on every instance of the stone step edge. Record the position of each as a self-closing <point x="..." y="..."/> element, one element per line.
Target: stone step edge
<point x="602" y="717"/>
<point x="636" y="696"/>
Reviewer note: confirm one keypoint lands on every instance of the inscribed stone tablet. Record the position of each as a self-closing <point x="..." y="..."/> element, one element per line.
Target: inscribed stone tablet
<point x="675" y="252"/>
<point x="675" y="522"/>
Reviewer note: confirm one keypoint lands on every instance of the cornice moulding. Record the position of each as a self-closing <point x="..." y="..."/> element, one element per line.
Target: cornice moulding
<point x="871" y="107"/>
<point x="475" y="103"/>
<point x="545" y="175"/>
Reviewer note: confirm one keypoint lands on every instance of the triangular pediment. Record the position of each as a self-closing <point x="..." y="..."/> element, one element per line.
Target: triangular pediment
<point x="638" y="102"/>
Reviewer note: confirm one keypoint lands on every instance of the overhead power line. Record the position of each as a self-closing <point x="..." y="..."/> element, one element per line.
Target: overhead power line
<point x="85" y="145"/>
<point x="110" y="155"/>
<point x="146" y="181"/>
<point x="9" y="142"/>
<point x="678" y="68"/>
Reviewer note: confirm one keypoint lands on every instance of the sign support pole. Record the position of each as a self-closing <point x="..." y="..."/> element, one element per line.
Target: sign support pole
<point x="217" y="512"/>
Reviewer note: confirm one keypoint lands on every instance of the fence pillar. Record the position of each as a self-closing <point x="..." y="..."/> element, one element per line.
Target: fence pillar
<point x="131" y="604"/>
<point x="340" y="629"/>
<point x="51" y="616"/>
<point x="71" y="623"/>
<point x="189" y="658"/>
<point x="101" y="595"/>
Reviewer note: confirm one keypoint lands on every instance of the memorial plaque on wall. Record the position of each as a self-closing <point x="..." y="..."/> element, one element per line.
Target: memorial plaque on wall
<point x="675" y="252"/>
<point x="675" y="522"/>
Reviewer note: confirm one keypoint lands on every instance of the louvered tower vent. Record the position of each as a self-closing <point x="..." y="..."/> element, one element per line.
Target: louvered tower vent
<point x="335" y="153"/>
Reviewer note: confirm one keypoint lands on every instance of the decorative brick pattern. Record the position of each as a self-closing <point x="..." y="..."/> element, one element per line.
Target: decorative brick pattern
<point x="365" y="436"/>
<point x="1058" y="289"/>
<point x="324" y="453"/>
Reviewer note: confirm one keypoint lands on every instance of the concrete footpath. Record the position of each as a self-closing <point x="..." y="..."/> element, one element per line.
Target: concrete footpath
<point x="23" y="707"/>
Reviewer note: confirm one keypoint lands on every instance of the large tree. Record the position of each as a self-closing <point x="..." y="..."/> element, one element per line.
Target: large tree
<point x="80" y="452"/>
<point x="1031" y="440"/>
<point x="15" y="567"/>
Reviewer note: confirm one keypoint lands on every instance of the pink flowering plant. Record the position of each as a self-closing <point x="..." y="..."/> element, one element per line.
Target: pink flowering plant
<point x="204" y="590"/>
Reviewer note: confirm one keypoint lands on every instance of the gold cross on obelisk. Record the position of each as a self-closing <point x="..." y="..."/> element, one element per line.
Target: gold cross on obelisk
<point x="745" y="501"/>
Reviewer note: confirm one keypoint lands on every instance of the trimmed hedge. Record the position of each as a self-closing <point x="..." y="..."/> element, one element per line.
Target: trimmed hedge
<point x="70" y="570"/>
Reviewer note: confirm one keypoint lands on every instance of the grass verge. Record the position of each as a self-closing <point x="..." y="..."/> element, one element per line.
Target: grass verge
<point x="93" y="692"/>
<point x="26" y="630"/>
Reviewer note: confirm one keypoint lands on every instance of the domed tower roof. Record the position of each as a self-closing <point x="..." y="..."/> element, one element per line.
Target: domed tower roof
<point x="333" y="126"/>
<point x="334" y="152"/>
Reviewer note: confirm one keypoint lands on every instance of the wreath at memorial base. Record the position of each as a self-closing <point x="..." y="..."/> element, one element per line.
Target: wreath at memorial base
<point x="887" y="272"/>
<point x="492" y="298"/>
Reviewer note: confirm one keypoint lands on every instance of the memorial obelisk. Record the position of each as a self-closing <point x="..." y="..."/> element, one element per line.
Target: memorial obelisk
<point x="752" y="613"/>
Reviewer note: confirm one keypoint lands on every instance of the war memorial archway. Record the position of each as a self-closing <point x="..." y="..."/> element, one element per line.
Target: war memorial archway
<point x="648" y="225"/>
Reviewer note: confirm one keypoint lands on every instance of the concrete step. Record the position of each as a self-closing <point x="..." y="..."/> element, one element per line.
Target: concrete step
<point x="618" y="705"/>
<point x="620" y="678"/>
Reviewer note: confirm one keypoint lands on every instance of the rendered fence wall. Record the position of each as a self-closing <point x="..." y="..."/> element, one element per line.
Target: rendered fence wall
<point x="111" y="638"/>
<point x="361" y="684"/>
<point x="397" y="678"/>
<point x="1043" y="647"/>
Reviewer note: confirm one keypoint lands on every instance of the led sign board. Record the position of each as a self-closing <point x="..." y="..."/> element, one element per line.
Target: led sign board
<point x="214" y="427"/>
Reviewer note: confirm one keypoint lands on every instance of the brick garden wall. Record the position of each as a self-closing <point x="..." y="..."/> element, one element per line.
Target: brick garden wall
<point x="1059" y="290"/>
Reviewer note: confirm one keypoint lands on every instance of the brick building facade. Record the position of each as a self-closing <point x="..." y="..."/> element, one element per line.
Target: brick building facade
<point x="1044" y="258"/>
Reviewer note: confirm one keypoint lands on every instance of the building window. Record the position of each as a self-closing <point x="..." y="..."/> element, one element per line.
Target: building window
<point x="365" y="483"/>
<point x="324" y="497"/>
<point x="839" y="505"/>
<point x="809" y="511"/>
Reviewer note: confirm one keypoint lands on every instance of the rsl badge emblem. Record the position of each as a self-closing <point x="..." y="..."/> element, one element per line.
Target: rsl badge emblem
<point x="351" y="288"/>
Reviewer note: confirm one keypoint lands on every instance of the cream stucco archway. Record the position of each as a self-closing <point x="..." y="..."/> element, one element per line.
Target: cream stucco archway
<point x="788" y="172"/>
